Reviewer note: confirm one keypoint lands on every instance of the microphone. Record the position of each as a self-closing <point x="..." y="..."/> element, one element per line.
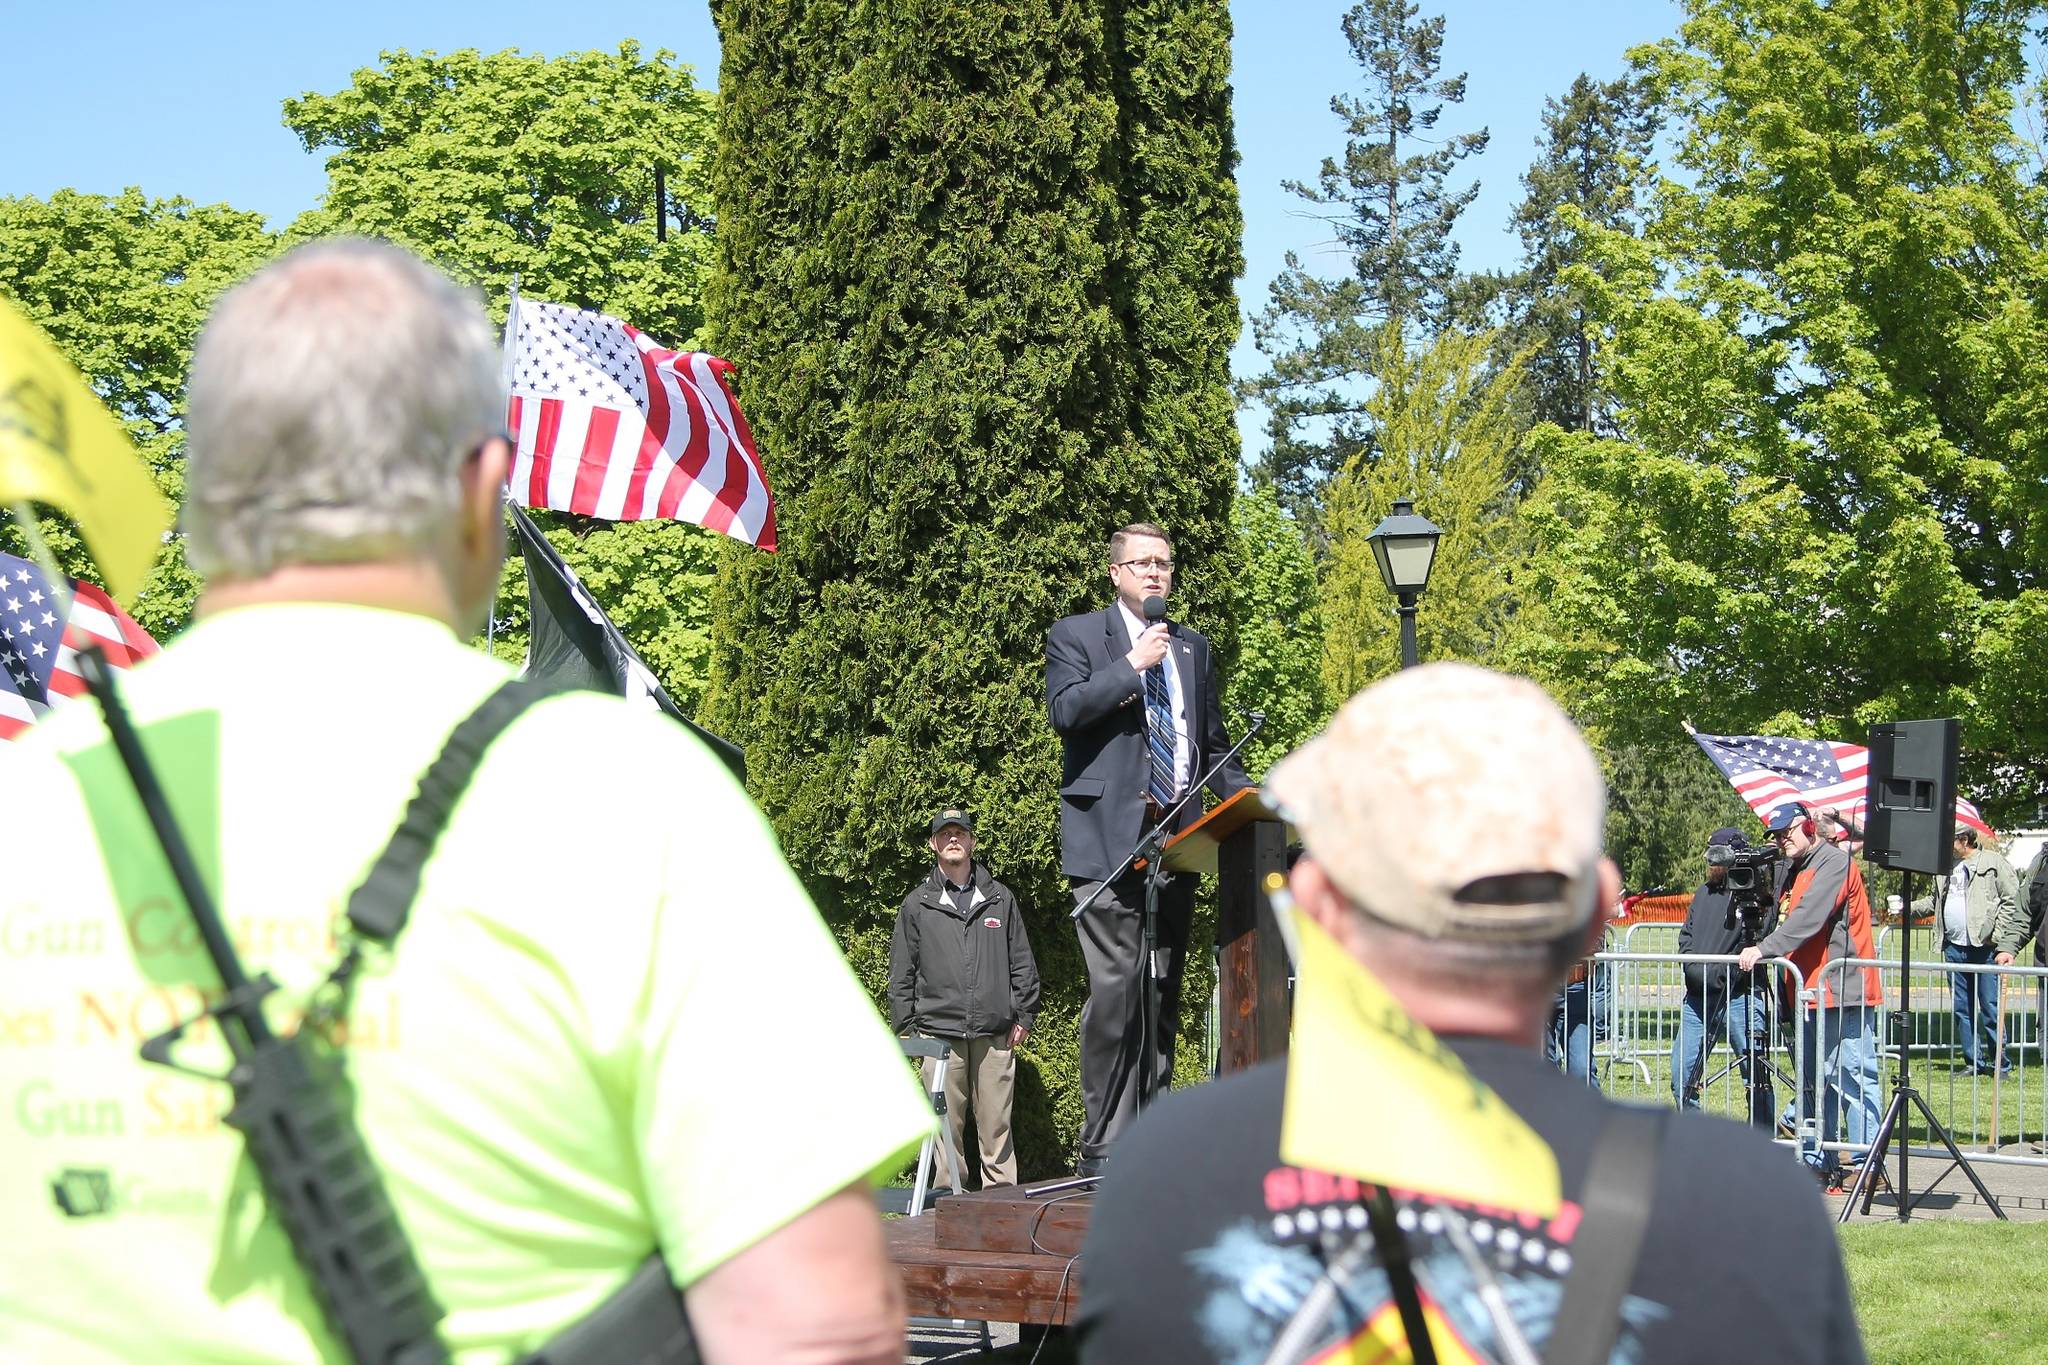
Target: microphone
<point x="1155" y="610"/>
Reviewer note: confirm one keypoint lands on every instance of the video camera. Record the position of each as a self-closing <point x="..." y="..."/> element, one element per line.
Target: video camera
<point x="1741" y="864"/>
<point x="1749" y="884"/>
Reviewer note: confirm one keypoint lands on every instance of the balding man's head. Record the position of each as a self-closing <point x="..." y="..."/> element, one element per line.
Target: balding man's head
<point x="334" y="398"/>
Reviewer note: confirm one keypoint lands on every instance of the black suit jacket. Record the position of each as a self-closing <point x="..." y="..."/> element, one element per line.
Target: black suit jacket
<point x="1097" y="704"/>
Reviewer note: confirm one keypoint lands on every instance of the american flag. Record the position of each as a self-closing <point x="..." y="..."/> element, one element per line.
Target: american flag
<point x="1768" y="772"/>
<point x="39" y="643"/>
<point x="611" y="425"/>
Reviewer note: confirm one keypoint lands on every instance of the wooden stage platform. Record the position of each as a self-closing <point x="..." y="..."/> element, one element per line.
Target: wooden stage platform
<point x="1004" y="1255"/>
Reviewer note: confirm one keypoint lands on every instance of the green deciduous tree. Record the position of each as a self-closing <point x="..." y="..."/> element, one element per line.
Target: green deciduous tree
<point x="1824" y="507"/>
<point x="121" y="284"/>
<point x="513" y="164"/>
<point x="1389" y="204"/>
<point x="1448" y="434"/>
<point x="975" y="268"/>
<point x="1273" y="601"/>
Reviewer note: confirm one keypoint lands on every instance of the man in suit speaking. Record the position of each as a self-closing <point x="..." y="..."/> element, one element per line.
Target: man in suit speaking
<point x="1133" y="698"/>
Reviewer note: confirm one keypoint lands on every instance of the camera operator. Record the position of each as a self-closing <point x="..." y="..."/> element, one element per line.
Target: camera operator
<point x="1825" y="916"/>
<point x="1730" y="911"/>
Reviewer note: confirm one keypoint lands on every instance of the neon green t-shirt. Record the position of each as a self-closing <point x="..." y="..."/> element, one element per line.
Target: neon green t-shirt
<point x="613" y="1021"/>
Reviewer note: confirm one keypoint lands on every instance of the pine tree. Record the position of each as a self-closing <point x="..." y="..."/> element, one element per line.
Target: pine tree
<point x="975" y="266"/>
<point x="1393" y="213"/>
<point x="1596" y="147"/>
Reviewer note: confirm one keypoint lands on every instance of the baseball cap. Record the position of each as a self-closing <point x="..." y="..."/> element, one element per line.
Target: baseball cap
<point x="1454" y="802"/>
<point x="1727" y="837"/>
<point x="952" y="815"/>
<point x="1784" y="817"/>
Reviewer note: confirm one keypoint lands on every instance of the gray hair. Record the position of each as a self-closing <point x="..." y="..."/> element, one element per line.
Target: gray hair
<point x="334" y="396"/>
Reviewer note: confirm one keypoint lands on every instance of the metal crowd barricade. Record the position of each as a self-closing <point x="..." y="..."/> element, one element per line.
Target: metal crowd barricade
<point x="1651" y="936"/>
<point x="1635" y="1004"/>
<point x="1996" y="1112"/>
<point x="1641" y="1009"/>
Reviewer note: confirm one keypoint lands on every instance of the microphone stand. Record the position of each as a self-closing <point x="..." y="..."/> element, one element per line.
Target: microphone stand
<point x="1151" y="844"/>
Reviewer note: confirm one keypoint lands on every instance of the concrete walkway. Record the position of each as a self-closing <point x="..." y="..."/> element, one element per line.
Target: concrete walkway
<point x="1939" y="1189"/>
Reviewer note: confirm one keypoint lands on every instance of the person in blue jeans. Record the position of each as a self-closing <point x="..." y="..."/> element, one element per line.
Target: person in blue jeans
<point x="1717" y="995"/>
<point x="1578" y="1015"/>
<point x="1982" y="892"/>
<point x="1823" y="919"/>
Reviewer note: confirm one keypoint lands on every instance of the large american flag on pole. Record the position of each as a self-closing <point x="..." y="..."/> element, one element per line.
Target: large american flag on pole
<point x="609" y="424"/>
<point x="1768" y="772"/>
<point x="39" y="641"/>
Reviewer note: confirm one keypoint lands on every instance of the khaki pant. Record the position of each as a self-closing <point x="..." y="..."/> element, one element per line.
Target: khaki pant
<point x="981" y="1073"/>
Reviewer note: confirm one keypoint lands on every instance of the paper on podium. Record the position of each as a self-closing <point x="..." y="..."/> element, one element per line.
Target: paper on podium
<point x="1374" y="1095"/>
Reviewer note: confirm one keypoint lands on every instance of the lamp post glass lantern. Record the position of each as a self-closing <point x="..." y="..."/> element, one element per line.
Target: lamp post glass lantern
<point x="1404" y="545"/>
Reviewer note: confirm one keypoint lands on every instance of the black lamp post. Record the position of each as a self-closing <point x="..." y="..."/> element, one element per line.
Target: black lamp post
<point x="1405" y="546"/>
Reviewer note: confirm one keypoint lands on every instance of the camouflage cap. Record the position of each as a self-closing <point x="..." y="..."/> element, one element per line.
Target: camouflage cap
<point x="1453" y="802"/>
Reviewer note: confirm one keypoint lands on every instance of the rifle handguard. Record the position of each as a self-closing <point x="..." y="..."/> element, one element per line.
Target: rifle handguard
<point x="291" y="1106"/>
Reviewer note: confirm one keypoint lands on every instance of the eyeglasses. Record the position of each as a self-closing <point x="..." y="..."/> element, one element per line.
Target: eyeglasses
<point x="1162" y="565"/>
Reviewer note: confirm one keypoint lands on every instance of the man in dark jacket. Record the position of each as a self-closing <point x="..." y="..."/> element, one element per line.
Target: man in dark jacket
<point x="960" y="969"/>
<point x="1715" y="992"/>
<point x="1137" y="708"/>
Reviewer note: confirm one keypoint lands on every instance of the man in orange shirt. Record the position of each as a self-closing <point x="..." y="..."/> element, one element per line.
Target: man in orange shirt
<point x="1823" y="917"/>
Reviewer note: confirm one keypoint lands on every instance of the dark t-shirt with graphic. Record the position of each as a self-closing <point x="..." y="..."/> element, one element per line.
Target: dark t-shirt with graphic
<point x="1204" y="1245"/>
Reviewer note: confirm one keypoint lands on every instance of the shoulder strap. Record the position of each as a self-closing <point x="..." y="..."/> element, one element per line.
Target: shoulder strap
<point x="378" y="909"/>
<point x="1620" y="1185"/>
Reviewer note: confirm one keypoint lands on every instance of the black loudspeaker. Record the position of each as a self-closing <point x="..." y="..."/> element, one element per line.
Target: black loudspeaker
<point x="1909" y="811"/>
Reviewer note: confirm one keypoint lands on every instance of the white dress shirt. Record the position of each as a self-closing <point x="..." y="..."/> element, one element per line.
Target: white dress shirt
<point x="1176" y="698"/>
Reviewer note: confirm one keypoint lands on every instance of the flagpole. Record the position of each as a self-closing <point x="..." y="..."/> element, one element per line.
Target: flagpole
<point x="511" y="332"/>
<point x="505" y="375"/>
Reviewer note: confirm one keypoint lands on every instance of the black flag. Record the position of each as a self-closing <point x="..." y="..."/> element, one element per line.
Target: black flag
<point x="574" y="642"/>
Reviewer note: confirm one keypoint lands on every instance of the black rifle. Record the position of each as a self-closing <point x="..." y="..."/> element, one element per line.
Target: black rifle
<point x="291" y="1104"/>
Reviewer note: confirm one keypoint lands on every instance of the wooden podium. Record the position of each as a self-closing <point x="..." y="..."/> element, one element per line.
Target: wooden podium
<point x="1242" y="841"/>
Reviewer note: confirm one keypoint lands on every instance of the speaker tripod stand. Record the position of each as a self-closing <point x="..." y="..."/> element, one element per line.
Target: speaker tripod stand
<point x="1903" y="1094"/>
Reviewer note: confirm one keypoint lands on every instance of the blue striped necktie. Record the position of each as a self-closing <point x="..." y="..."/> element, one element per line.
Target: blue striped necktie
<point x="1159" y="734"/>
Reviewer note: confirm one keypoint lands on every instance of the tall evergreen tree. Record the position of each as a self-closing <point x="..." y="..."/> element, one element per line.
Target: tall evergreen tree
<point x="975" y="272"/>
<point x="1595" y="155"/>
<point x="1393" y="212"/>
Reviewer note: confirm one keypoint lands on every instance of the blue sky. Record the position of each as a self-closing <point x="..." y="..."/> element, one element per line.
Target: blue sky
<point x="186" y="99"/>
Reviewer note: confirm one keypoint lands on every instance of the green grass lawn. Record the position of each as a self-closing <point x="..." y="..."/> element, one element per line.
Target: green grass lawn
<point x="1942" y="1293"/>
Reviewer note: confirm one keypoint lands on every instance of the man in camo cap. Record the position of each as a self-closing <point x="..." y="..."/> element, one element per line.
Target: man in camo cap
<point x="1452" y="819"/>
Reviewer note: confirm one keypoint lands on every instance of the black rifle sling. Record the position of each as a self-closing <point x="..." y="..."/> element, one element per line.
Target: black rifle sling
<point x="379" y="908"/>
<point x="644" y="1321"/>
<point x="1621" y="1182"/>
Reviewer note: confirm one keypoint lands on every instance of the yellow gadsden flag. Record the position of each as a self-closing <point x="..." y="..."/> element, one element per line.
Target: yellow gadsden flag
<point x="60" y="446"/>
<point x="1376" y="1096"/>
